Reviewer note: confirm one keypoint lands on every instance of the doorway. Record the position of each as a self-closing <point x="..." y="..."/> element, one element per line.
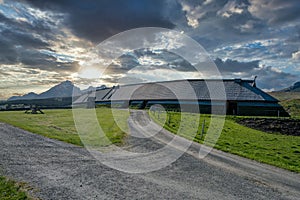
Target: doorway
<point x="232" y="108"/>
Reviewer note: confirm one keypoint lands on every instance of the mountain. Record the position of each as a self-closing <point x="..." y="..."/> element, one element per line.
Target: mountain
<point x="30" y="95"/>
<point x="293" y="88"/>
<point x="288" y="94"/>
<point x="64" y="89"/>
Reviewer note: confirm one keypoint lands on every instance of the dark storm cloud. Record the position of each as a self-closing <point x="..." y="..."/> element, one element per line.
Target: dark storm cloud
<point x="275" y="11"/>
<point x="36" y="60"/>
<point x="21" y="42"/>
<point x="154" y="61"/>
<point x="164" y="59"/>
<point x="221" y="23"/>
<point x="268" y="76"/>
<point x="17" y="38"/>
<point x="97" y="20"/>
<point x="24" y="39"/>
<point x="228" y="68"/>
<point x="236" y="66"/>
<point x="37" y="26"/>
<point x="36" y="36"/>
<point x="7" y="52"/>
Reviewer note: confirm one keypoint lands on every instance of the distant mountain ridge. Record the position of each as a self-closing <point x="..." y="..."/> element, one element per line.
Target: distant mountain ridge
<point x="64" y="89"/>
<point x="293" y="88"/>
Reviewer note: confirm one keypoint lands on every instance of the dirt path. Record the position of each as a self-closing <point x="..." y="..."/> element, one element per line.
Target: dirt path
<point x="62" y="171"/>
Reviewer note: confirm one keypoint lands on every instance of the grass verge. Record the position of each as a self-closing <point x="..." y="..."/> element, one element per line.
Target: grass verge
<point x="275" y="149"/>
<point x="59" y="124"/>
<point x="10" y="190"/>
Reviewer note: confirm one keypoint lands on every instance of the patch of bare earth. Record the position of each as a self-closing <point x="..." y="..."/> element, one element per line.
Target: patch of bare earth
<point x="273" y="125"/>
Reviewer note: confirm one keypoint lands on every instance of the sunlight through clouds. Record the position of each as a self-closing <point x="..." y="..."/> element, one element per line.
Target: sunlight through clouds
<point x="56" y="37"/>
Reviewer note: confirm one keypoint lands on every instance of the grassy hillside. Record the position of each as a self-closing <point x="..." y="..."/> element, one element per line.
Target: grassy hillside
<point x="283" y="96"/>
<point x="290" y="101"/>
<point x="292" y="106"/>
<point x="275" y="149"/>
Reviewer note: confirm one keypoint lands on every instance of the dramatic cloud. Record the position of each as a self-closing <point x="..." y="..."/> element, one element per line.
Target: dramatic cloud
<point x="44" y="42"/>
<point x="33" y="40"/>
<point x="97" y="20"/>
<point x="231" y="8"/>
<point x="193" y="14"/>
<point x="147" y="66"/>
<point x="275" y="11"/>
<point x="269" y="78"/>
<point x="19" y="39"/>
<point x="234" y="66"/>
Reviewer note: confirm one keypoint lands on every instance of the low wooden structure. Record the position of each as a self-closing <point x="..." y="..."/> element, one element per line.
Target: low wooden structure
<point x="34" y="110"/>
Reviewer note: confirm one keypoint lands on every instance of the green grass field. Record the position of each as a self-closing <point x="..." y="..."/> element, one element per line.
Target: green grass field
<point x="275" y="149"/>
<point x="9" y="190"/>
<point x="59" y="124"/>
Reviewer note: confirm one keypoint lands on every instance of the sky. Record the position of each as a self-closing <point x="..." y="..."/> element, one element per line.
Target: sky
<point x="43" y="43"/>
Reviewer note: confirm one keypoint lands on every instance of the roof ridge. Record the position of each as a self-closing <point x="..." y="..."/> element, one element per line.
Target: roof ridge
<point x="178" y="80"/>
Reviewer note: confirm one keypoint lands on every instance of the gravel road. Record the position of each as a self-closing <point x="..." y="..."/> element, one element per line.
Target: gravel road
<point x="56" y="170"/>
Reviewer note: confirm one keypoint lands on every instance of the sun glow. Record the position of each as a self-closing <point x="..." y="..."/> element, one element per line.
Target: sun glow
<point x="89" y="73"/>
